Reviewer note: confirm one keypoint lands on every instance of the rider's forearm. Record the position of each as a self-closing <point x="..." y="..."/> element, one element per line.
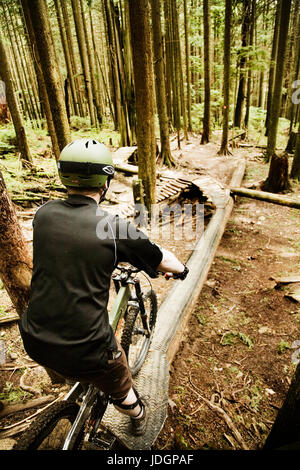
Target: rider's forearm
<point x="169" y="263"/>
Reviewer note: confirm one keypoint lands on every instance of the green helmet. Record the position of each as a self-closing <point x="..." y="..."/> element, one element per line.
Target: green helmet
<point x="85" y="163"/>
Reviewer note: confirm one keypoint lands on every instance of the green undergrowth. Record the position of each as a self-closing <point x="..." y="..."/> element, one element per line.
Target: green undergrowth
<point x="20" y="179"/>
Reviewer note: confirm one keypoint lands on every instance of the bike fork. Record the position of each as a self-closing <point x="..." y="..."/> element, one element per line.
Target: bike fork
<point x="139" y="296"/>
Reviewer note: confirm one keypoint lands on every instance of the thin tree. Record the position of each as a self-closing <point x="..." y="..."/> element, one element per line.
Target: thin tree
<point x="144" y="92"/>
<point x="273" y="63"/>
<point x="279" y="74"/>
<point x="5" y="74"/>
<point x="295" y="170"/>
<point x="165" y="151"/>
<point x="40" y="78"/>
<point x="66" y="50"/>
<point x="243" y="60"/>
<point x="187" y="66"/>
<point x="249" y="78"/>
<point x="77" y="14"/>
<point x="226" y="86"/>
<point x="207" y="73"/>
<point x="47" y="55"/>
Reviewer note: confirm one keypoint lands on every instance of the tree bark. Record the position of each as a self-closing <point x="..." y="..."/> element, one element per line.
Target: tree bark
<point x="273" y="63"/>
<point x="249" y="78"/>
<point x="207" y="73"/>
<point x="144" y="90"/>
<point x="278" y="180"/>
<point x="16" y="260"/>
<point x="5" y="74"/>
<point x="226" y="86"/>
<point x="160" y="83"/>
<point x="67" y="57"/>
<point x="83" y="57"/>
<point x="242" y="82"/>
<point x="187" y="66"/>
<point x="295" y="170"/>
<point x="286" y="428"/>
<point x="277" y="94"/>
<point x="40" y="78"/>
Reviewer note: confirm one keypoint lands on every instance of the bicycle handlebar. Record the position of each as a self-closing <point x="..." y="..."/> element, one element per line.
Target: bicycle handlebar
<point x="132" y="270"/>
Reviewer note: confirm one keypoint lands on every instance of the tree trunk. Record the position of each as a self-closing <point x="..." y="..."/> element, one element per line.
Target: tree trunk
<point x="285" y="432"/>
<point x="181" y="93"/>
<point x="40" y="78"/>
<point x="67" y="57"/>
<point x="277" y="180"/>
<point x="273" y="63"/>
<point x="207" y="73"/>
<point x="84" y="58"/>
<point x="249" y="79"/>
<point x="45" y="46"/>
<point x="160" y="83"/>
<point x="280" y="63"/>
<point x="69" y="38"/>
<point x="5" y="74"/>
<point x="295" y="170"/>
<point x="92" y="71"/>
<point x="242" y="82"/>
<point x="16" y="260"/>
<point x="187" y="66"/>
<point x="144" y="89"/>
<point x="226" y="86"/>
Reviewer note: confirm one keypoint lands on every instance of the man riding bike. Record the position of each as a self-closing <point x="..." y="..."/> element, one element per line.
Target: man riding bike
<point x="76" y="247"/>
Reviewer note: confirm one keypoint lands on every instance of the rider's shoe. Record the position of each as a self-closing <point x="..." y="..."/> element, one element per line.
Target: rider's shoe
<point x="138" y="425"/>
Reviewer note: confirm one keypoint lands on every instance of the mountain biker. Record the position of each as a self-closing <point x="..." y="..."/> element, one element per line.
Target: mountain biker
<point x="76" y="247"/>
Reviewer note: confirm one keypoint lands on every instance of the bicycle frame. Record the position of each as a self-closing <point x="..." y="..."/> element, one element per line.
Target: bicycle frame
<point x="124" y="298"/>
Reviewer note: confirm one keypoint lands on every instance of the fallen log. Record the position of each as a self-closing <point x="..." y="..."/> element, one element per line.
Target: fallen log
<point x="265" y="196"/>
<point x="11" y="409"/>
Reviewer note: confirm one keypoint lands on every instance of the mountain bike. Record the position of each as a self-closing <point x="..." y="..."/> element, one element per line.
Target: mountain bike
<point x="75" y="422"/>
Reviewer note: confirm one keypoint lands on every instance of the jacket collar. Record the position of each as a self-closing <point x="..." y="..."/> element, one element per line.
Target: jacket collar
<point x="79" y="200"/>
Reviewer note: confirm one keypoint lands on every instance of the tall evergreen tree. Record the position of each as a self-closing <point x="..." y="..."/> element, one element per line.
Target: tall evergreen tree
<point x="279" y="74"/>
<point x="144" y="93"/>
<point x="47" y="55"/>
<point x="226" y="74"/>
<point x="5" y="74"/>
<point x="160" y="82"/>
<point x="207" y="72"/>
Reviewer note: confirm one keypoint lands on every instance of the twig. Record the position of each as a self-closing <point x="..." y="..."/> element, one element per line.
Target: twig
<point x="223" y="414"/>
<point x="31" y="416"/>
<point x="27" y="388"/>
<point x="15" y="367"/>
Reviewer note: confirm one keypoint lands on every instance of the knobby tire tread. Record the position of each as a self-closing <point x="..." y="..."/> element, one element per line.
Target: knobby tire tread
<point x="43" y="425"/>
<point x="130" y="322"/>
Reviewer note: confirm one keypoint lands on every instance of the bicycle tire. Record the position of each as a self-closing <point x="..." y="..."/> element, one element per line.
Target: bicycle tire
<point x="131" y="332"/>
<point x="35" y="437"/>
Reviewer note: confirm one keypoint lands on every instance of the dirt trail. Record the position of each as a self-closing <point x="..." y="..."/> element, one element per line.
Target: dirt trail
<point x="237" y="349"/>
<point x="237" y="352"/>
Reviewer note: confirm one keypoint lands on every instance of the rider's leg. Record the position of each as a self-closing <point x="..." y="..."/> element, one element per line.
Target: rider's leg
<point x="130" y="405"/>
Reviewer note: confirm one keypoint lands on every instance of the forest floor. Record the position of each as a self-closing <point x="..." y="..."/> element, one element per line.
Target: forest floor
<point x="240" y="337"/>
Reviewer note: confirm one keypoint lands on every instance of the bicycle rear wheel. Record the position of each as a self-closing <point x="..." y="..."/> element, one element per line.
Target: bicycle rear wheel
<point x="50" y="429"/>
<point x="135" y="340"/>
